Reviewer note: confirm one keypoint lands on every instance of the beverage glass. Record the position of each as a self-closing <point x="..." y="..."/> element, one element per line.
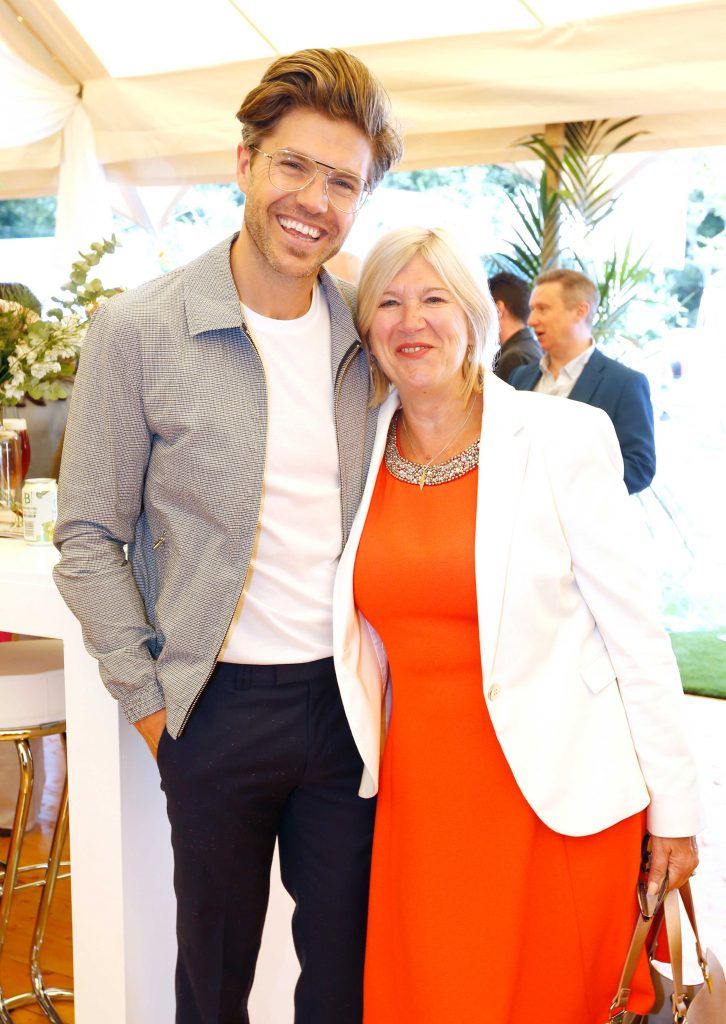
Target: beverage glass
<point x="10" y="475"/>
<point x="21" y="429"/>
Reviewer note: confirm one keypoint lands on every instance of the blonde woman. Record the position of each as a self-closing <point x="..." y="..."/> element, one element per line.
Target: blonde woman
<point x="535" y="729"/>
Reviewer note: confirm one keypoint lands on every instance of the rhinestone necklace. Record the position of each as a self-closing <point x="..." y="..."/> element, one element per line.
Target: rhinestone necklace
<point x="428" y="474"/>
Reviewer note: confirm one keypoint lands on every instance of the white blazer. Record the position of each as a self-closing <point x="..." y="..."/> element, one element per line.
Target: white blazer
<point x="579" y="677"/>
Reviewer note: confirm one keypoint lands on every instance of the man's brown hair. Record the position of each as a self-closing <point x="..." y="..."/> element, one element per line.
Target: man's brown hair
<point x="336" y="84"/>
<point x="576" y="288"/>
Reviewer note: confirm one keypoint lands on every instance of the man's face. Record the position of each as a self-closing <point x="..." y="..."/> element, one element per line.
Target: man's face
<point x="296" y="232"/>
<point x="556" y="325"/>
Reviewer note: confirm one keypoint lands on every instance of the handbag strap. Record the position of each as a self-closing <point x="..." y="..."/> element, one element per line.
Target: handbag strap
<point x="672" y="915"/>
<point x="649" y="907"/>
<point x="687" y="897"/>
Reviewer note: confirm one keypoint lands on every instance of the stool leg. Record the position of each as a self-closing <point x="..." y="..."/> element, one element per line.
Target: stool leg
<point x="22" y="808"/>
<point x="60" y="834"/>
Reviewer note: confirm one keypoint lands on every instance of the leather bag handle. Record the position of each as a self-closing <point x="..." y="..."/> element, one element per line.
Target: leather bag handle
<point x="649" y="907"/>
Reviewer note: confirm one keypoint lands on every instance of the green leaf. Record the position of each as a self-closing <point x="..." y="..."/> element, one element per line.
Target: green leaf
<point x="21" y="294"/>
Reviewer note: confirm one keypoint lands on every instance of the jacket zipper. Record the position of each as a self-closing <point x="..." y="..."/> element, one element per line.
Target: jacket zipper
<point x="348" y="358"/>
<point x="253" y="553"/>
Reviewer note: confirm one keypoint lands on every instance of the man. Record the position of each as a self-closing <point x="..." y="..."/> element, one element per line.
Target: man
<point x="563" y="306"/>
<point x="518" y="345"/>
<point x="220" y="428"/>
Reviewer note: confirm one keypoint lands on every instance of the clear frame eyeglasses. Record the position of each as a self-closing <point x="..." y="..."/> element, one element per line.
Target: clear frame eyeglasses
<point x="292" y="172"/>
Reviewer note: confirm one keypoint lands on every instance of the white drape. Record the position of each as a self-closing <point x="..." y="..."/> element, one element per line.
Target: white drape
<point x="32" y="107"/>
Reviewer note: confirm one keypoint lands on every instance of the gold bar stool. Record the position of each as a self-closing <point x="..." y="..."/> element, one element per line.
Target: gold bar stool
<point x="32" y="705"/>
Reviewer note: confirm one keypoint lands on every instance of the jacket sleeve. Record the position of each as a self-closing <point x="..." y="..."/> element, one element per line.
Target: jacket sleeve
<point x="105" y="455"/>
<point x="633" y="420"/>
<point x="509" y="362"/>
<point x="607" y="548"/>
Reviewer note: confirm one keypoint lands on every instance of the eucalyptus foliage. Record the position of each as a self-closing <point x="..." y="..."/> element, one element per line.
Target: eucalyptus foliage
<point x="38" y="355"/>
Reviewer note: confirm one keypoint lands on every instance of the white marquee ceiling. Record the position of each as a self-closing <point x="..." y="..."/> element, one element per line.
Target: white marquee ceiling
<point x="162" y="78"/>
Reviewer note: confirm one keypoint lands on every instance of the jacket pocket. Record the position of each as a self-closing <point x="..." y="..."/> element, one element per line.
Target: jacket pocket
<point x="599" y="673"/>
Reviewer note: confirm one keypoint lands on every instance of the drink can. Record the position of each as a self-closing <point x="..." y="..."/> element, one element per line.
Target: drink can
<point x="40" y="510"/>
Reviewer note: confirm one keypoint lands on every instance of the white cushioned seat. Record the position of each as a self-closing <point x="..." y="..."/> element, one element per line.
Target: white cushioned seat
<point x="31" y="683"/>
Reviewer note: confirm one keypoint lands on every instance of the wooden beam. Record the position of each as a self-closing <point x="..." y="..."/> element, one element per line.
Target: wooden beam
<point x="40" y="33"/>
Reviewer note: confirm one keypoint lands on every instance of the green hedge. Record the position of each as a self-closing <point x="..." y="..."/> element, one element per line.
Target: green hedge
<point x="702" y="661"/>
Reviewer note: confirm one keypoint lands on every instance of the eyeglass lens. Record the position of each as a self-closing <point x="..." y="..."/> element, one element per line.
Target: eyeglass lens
<point x="291" y="172"/>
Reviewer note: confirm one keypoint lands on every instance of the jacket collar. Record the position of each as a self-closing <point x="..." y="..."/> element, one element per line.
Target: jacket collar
<point x="503" y="416"/>
<point x="210" y="296"/>
<point x="212" y="302"/>
<point x="586" y="384"/>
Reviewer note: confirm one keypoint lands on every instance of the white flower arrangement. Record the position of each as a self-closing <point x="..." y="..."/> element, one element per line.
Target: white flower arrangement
<point x="38" y="355"/>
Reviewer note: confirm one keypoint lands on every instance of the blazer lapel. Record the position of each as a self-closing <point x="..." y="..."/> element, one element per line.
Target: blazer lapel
<point x="587" y="383"/>
<point x="502" y="462"/>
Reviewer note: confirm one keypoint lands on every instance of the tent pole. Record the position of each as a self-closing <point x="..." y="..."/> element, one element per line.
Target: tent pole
<point x="554" y="136"/>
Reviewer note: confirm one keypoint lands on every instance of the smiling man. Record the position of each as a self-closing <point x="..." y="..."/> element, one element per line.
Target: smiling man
<point x="220" y="428"/>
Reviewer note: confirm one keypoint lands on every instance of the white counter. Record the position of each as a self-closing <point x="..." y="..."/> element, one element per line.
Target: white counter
<point x="122" y="896"/>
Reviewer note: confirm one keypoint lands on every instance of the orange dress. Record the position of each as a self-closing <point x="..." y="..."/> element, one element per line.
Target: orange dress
<point x="478" y="911"/>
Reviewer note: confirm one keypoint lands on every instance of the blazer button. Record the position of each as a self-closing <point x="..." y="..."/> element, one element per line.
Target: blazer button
<point x="494" y="692"/>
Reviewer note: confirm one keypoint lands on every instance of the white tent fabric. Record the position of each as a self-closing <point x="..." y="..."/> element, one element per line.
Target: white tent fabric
<point x="461" y="99"/>
<point x="83" y="214"/>
<point x="34" y="107"/>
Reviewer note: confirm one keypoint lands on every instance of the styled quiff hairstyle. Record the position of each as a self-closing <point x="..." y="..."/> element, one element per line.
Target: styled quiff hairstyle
<point x="576" y="288"/>
<point x="462" y="275"/>
<point x="334" y="83"/>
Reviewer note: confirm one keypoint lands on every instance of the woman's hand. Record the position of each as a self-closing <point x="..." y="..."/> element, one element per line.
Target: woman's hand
<point x="679" y="857"/>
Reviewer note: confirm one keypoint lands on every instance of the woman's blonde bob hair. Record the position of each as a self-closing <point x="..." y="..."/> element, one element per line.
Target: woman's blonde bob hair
<point x="464" y="277"/>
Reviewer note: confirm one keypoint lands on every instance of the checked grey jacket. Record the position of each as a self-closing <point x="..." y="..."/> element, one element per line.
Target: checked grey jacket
<point x="165" y="452"/>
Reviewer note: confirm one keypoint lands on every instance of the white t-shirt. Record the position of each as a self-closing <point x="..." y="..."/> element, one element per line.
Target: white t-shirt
<point x="285" y="614"/>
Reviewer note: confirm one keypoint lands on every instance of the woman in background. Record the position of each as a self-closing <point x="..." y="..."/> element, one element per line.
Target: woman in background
<point x="536" y="704"/>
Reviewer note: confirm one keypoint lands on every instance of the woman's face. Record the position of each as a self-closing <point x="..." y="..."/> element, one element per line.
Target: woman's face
<point x="419" y="332"/>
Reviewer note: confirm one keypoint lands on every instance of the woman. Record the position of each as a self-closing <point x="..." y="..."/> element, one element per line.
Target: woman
<point x="536" y="705"/>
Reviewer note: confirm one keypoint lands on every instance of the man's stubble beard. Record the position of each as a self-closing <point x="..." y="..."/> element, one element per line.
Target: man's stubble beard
<point x="256" y="226"/>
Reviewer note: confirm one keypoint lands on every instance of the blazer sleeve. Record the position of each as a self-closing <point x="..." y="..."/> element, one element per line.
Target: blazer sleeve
<point x="607" y="546"/>
<point x="633" y="420"/>
<point x="509" y="362"/>
<point x="105" y="457"/>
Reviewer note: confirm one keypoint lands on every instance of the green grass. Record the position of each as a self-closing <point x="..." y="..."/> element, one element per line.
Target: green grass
<point x="702" y="661"/>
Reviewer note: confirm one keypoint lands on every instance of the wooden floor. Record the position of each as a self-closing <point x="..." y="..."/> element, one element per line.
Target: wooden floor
<point x="706" y="720"/>
<point x="57" y="958"/>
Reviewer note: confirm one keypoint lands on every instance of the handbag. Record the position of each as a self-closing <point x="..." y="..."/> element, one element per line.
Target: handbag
<point x="675" y="1003"/>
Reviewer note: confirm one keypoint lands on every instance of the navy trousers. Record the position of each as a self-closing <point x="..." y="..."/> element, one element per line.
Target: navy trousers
<point x="268" y="755"/>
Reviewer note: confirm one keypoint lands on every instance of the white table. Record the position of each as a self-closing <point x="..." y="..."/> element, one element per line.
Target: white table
<point x="122" y="896"/>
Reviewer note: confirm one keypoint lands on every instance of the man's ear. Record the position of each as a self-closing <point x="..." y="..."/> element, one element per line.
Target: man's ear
<point x="244" y="159"/>
<point x="501" y="308"/>
<point x="582" y="310"/>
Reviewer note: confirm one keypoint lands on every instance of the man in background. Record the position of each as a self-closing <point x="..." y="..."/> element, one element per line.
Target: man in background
<point x="563" y="306"/>
<point x="220" y="428"/>
<point x="518" y="345"/>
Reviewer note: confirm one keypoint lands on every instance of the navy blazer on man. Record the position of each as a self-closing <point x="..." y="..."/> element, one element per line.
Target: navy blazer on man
<point x="624" y="395"/>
